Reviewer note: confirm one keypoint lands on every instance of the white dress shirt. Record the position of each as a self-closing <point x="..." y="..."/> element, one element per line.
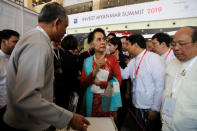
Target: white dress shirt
<point x="4" y="59"/>
<point x="185" y="112"/>
<point x="125" y="53"/>
<point x="149" y="84"/>
<point x="169" y="55"/>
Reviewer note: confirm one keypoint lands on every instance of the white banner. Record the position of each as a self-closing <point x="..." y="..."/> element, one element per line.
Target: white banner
<point x="73" y="2"/>
<point x="150" y="11"/>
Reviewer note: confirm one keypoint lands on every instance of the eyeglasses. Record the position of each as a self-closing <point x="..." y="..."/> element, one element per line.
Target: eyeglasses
<point x="179" y="43"/>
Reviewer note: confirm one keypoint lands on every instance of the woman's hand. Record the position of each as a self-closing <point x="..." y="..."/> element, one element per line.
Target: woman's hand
<point x="96" y="81"/>
<point x="99" y="63"/>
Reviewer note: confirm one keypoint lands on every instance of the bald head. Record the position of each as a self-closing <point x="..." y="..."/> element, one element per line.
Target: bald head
<point x="185" y="43"/>
<point x="186" y="33"/>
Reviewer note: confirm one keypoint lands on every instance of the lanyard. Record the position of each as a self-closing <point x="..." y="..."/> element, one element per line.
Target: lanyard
<point x="57" y="55"/>
<point x="183" y="72"/>
<point x="89" y="53"/>
<point x="168" y="54"/>
<point x="136" y="72"/>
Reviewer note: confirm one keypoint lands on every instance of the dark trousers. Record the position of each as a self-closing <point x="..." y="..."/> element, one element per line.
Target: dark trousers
<point x="126" y="103"/>
<point x="149" y="125"/>
<point x="121" y="113"/>
<point x="2" y="111"/>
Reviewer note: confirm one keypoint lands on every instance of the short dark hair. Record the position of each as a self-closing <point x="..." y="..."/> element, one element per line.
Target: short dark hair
<point x="139" y="39"/>
<point x="69" y="43"/>
<point x="93" y="34"/>
<point x="163" y="37"/>
<point x="124" y="37"/>
<point x="113" y="34"/>
<point x="90" y="37"/>
<point x="51" y="11"/>
<point x="116" y="41"/>
<point x="7" y="33"/>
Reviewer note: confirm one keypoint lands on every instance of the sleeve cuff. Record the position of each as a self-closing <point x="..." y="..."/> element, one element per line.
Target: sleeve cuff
<point x="155" y="108"/>
<point x="64" y="120"/>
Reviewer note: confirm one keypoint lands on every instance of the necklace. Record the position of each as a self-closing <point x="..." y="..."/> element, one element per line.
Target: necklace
<point x="99" y="58"/>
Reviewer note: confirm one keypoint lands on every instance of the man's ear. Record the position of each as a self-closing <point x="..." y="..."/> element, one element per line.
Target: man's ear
<point x="56" y="22"/>
<point x="163" y="44"/>
<point x="5" y="42"/>
<point x="135" y="44"/>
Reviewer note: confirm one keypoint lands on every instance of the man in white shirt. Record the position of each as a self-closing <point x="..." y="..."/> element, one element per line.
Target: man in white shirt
<point x="161" y="45"/>
<point x="179" y="101"/>
<point x="146" y="71"/>
<point x="8" y="40"/>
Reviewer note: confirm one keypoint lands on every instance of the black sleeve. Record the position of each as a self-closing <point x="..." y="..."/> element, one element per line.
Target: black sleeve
<point x="122" y="60"/>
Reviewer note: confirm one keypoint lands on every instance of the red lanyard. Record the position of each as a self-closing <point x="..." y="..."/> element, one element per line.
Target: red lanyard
<point x="89" y="53"/>
<point x="136" y="72"/>
<point x="168" y="54"/>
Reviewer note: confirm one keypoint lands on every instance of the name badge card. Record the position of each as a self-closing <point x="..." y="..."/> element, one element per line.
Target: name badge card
<point x="169" y="106"/>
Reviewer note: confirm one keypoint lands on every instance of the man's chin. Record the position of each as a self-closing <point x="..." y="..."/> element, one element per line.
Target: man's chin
<point x="180" y="57"/>
<point x="56" y="40"/>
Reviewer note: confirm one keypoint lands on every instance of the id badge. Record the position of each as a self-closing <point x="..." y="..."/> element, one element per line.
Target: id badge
<point x="169" y="106"/>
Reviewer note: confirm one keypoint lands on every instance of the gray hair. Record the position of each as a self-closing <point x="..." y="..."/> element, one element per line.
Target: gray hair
<point x="51" y="11"/>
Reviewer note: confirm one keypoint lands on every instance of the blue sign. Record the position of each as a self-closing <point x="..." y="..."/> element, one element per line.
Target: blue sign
<point x="75" y="21"/>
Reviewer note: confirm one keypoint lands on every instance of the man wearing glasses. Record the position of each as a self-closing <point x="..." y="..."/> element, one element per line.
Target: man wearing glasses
<point x="179" y="105"/>
<point x="161" y="45"/>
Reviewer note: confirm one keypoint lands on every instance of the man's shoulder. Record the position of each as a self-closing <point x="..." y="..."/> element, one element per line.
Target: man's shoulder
<point x="67" y="55"/>
<point x="152" y="54"/>
<point x="34" y="34"/>
<point x="172" y="65"/>
<point x="131" y="62"/>
<point x="32" y="38"/>
<point x="153" y="57"/>
<point x="1" y="53"/>
<point x="173" y="62"/>
<point x="32" y="42"/>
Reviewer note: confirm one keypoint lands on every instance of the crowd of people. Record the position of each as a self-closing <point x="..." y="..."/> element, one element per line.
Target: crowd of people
<point x="39" y="74"/>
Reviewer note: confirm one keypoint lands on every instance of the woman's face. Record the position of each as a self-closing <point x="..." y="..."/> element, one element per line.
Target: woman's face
<point x="112" y="48"/>
<point x="76" y="52"/>
<point x="99" y="42"/>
